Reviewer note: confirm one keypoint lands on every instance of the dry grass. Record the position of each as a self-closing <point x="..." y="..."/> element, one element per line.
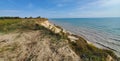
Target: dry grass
<point x="10" y="47"/>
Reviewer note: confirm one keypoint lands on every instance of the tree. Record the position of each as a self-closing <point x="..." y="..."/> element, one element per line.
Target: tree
<point x="38" y="17"/>
<point x="25" y="17"/>
<point x="30" y="17"/>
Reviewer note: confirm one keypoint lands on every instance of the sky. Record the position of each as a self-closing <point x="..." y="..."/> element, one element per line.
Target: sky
<point x="60" y="8"/>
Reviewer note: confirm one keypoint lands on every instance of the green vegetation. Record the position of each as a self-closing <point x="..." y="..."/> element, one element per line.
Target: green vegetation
<point x="10" y="18"/>
<point x="24" y="24"/>
<point x="5" y="24"/>
<point x="8" y="24"/>
<point x="89" y="52"/>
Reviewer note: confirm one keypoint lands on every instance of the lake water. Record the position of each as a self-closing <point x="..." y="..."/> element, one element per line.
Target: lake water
<point x="102" y="31"/>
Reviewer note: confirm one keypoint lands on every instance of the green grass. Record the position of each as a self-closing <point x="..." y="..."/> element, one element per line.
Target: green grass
<point x="89" y="52"/>
<point x="6" y="23"/>
<point x="10" y="25"/>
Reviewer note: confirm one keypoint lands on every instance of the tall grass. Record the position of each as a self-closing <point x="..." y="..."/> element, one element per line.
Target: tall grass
<point x="5" y="23"/>
<point x="89" y="52"/>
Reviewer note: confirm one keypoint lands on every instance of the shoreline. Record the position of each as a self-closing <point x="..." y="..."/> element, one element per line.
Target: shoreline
<point x="89" y="40"/>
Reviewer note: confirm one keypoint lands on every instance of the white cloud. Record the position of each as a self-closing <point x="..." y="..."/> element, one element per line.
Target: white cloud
<point x="102" y="3"/>
<point x="111" y="2"/>
<point x="99" y="8"/>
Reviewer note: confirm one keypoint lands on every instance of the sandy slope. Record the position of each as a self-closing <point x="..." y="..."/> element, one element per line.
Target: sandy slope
<point x="33" y="45"/>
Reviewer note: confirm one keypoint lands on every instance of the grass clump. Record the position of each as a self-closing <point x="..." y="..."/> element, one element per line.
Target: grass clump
<point x="89" y="52"/>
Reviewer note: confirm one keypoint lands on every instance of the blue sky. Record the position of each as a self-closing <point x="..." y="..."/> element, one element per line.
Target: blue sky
<point x="60" y="8"/>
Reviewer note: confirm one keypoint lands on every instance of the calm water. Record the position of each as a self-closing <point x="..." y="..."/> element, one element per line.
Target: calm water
<point x="103" y="31"/>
